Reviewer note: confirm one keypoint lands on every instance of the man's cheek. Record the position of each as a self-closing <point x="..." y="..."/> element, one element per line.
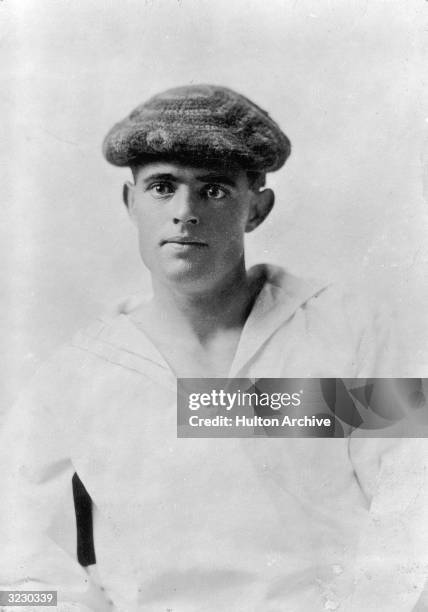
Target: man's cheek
<point x="147" y="247"/>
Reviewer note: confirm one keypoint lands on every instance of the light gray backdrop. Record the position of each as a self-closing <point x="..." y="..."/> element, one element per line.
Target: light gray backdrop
<point x="343" y="78"/>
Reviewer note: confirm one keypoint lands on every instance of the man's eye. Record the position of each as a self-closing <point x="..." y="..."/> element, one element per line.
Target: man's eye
<point x="214" y="192"/>
<point x="161" y="190"/>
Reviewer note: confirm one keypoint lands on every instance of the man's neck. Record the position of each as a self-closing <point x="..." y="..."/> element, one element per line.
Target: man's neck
<point x="204" y="314"/>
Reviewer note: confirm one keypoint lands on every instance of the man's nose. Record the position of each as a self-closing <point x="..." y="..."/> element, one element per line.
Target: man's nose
<point x="185" y="207"/>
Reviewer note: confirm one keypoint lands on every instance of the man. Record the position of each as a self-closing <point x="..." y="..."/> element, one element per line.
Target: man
<point x="190" y="525"/>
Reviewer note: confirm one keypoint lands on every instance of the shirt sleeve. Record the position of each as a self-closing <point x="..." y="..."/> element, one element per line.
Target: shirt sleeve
<point x="391" y="562"/>
<point x="373" y="326"/>
<point x="37" y="528"/>
<point x="391" y="565"/>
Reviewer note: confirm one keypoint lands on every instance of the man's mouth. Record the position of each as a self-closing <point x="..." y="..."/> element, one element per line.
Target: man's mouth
<point x="184" y="241"/>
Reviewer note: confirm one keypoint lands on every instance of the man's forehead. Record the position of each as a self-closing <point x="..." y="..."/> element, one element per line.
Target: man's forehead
<point x="183" y="171"/>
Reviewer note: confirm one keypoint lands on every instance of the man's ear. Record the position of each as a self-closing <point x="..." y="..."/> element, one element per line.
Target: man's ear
<point x="261" y="206"/>
<point x="128" y="198"/>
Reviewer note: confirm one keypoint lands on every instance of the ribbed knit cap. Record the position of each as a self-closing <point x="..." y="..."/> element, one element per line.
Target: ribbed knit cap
<point x="198" y="123"/>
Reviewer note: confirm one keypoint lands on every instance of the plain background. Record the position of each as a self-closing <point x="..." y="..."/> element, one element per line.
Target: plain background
<point x="343" y="78"/>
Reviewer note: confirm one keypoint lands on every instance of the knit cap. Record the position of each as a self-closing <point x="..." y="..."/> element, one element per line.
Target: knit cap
<point x="198" y="123"/>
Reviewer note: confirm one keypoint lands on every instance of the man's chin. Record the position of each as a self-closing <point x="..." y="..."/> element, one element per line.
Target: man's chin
<point x="187" y="276"/>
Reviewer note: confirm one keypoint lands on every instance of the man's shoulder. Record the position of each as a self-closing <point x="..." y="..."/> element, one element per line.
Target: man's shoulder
<point x="348" y="315"/>
<point x="102" y="358"/>
<point x="101" y="330"/>
<point x="110" y="344"/>
<point x="106" y="329"/>
<point x="75" y="358"/>
<point x="100" y="337"/>
<point x="320" y="294"/>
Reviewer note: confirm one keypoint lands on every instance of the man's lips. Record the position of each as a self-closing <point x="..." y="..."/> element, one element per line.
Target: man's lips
<point x="184" y="240"/>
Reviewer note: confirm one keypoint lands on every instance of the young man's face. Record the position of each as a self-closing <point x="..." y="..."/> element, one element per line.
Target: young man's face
<point x="191" y="221"/>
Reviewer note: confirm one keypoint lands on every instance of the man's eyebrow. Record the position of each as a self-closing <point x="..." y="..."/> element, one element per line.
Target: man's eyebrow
<point x="160" y="177"/>
<point x="214" y="177"/>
